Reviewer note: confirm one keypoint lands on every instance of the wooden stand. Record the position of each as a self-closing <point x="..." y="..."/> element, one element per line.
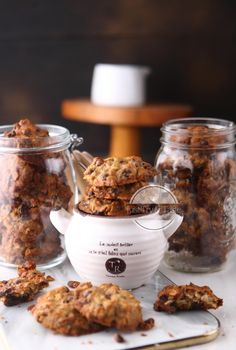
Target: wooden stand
<point x="125" y="122"/>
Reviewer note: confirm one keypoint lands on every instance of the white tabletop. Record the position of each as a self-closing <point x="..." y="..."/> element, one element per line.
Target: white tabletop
<point x="223" y="284"/>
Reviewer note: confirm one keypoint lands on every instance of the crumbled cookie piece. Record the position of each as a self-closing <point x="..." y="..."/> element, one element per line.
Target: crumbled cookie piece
<point x="109" y="305"/>
<point x="118" y="338"/>
<point x="146" y="325"/>
<point x="24" y="287"/>
<point x="73" y="284"/>
<point x="186" y="297"/>
<point x="56" y="310"/>
<point x="118" y="171"/>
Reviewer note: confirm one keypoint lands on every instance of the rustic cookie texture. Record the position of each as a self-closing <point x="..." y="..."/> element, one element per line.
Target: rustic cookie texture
<point x="112" y="183"/>
<point x="108" y="207"/>
<point x="56" y="310"/>
<point x="118" y="171"/>
<point x="112" y="207"/>
<point x="123" y="192"/>
<point x="31" y="185"/>
<point x="186" y="297"/>
<point x="24" y="287"/>
<point x="109" y="305"/>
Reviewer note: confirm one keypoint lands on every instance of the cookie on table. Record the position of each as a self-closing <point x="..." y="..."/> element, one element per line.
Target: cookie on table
<point x="55" y="310"/>
<point x="187" y="297"/>
<point x="123" y="192"/>
<point x="109" y="305"/>
<point x="116" y="171"/>
<point x="24" y="287"/>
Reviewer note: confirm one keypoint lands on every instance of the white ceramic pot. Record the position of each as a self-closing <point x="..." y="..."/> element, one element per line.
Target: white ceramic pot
<point x="113" y="250"/>
<point x="119" y="85"/>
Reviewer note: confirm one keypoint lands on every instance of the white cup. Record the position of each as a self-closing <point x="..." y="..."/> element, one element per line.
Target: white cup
<point x="119" y="85"/>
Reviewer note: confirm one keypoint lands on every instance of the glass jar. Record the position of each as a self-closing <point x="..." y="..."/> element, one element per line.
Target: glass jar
<point x="36" y="176"/>
<point x="197" y="162"/>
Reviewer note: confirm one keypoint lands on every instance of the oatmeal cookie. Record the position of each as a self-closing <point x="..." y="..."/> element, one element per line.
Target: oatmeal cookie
<point x="123" y="192"/>
<point x="117" y="171"/>
<point x="113" y="207"/>
<point x="56" y="310"/>
<point x="109" y="305"/>
<point x="24" y="287"/>
<point x="108" y="207"/>
<point x="186" y="297"/>
<point x="25" y="129"/>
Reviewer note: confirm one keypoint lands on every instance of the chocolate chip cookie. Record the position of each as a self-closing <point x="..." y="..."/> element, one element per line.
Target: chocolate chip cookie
<point x="123" y="192"/>
<point x="112" y="207"/>
<point x="56" y="310"/>
<point x="118" y="171"/>
<point x="109" y="305"/>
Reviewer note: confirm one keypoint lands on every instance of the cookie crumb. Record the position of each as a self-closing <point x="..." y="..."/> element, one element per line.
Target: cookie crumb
<point x="170" y="335"/>
<point x="30" y="307"/>
<point x="118" y="338"/>
<point x="146" y="325"/>
<point x="143" y="334"/>
<point x="73" y="284"/>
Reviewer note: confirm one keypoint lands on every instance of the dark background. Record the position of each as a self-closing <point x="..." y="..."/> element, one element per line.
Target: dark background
<point x="48" y="50"/>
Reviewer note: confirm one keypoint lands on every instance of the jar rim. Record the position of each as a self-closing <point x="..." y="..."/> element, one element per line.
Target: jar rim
<point x="59" y="138"/>
<point x="216" y="125"/>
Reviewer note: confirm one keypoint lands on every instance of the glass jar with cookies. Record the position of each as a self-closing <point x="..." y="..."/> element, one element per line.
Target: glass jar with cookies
<point x="36" y="176"/>
<point x="197" y="162"/>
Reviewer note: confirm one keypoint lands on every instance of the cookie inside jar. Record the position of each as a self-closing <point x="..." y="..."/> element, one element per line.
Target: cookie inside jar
<point x="197" y="163"/>
<point x="35" y="177"/>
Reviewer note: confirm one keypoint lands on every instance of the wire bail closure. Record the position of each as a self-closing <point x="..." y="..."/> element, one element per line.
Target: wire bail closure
<point x="76" y="141"/>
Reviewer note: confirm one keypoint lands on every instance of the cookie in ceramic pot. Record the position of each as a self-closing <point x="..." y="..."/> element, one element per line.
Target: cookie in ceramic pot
<point x="116" y="171"/>
<point x="123" y="192"/>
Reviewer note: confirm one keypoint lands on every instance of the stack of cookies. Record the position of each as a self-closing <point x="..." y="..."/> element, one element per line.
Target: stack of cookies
<point x="111" y="184"/>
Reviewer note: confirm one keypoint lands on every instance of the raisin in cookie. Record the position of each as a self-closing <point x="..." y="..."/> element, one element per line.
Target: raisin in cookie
<point x="24" y="287"/>
<point x="109" y="305"/>
<point x="117" y="171"/>
<point x="187" y="297"/>
<point x="55" y="310"/>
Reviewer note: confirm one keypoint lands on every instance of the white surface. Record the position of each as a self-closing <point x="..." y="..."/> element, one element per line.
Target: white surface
<point x="119" y="85"/>
<point x="22" y="332"/>
<point x="223" y="284"/>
